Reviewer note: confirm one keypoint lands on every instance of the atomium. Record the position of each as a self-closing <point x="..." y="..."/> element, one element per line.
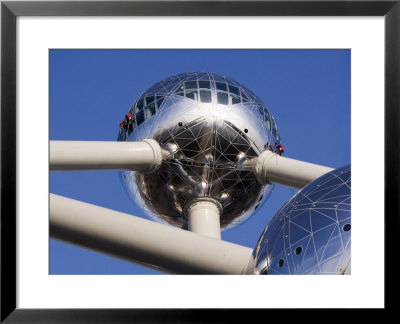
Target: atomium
<point x="310" y="234"/>
<point x="208" y="125"/>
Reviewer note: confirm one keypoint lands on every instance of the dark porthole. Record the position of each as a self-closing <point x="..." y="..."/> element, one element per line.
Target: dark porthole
<point x="246" y="130"/>
<point x="298" y="250"/>
<point x="180" y="124"/>
<point x="280" y="263"/>
<point x="346" y="227"/>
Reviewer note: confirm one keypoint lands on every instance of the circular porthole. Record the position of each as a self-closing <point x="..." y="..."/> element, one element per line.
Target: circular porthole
<point x="280" y="263"/>
<point x="298" y="250"/>
<point x="346" y="227"/>
<point x="180" y="124"/>
<point x="246" y="130"/>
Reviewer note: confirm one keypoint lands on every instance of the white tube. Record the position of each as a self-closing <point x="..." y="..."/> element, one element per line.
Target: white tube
<point x="272" y="168"/>
<point x="204" y="218"/>
<point x="142" y="241"/>
<point x="145" y="155"/>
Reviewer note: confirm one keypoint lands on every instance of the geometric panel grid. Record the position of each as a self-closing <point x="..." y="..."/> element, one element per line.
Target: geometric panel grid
<point x="311" y="233"/>
<point x="209" y="125"/>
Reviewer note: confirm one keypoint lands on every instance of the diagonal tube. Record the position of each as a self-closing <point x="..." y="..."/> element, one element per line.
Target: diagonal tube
<point x="274" y="169"/>
<point x="144" y="155"/>
<point x="142" y="241"/>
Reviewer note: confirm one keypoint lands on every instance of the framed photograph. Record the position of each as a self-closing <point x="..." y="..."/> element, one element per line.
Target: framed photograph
<point x="91" y="87"/>
<point x="78" y="55"/>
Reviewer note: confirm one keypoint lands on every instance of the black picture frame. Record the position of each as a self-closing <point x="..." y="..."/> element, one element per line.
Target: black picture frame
<point x="10" y="10"/>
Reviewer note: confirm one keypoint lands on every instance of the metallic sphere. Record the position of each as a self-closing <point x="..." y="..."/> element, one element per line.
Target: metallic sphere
<point x="210" y="125"/>
<point x="311" y="233"/>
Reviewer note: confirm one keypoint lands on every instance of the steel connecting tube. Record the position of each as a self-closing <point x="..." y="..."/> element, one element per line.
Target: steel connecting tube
<point x="138" y="240"/>
<point x="271" y="168"/>
<point x="203" y="215"/>
<point x="145" y="155"/>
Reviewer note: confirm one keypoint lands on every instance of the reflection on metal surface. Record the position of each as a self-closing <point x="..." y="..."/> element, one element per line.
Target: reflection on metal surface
<point x="311" y="233"/>
<point x="210" y="125"/>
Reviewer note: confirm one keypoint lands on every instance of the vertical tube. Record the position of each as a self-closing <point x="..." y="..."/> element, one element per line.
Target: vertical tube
<point x="204" y="218"/>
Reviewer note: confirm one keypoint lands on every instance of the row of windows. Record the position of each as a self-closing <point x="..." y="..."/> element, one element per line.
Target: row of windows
<point x="205" y="96"/>
<point x="151" y="109"/>
<point x="147" y="106"/>
<point x="149" y="100"/>
<point x="227" y="94"/>
<point x="268" y="121"/>
<point x="225" y="91"/>
<point x="207" y="85"/>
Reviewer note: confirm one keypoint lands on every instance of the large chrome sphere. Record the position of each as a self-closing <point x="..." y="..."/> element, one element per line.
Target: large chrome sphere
<point x="209" y="124"/>
<point x="311" y="233"/>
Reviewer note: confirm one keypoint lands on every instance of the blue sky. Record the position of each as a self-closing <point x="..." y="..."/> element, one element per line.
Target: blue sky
<point x="307" y="91"/>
